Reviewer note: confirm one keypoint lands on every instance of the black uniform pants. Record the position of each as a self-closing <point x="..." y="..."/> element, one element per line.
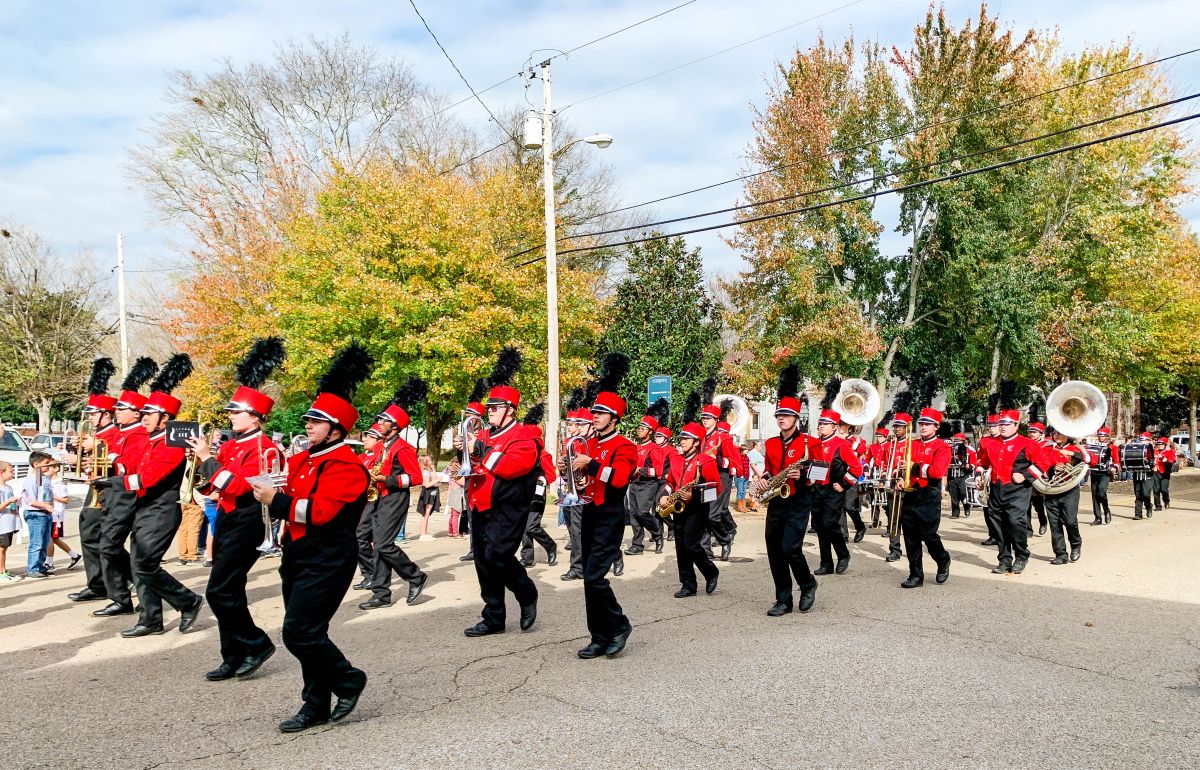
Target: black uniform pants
<point x="364" y="535"/>
<point x="91" y="523"/>
<point x="154" y="529"/>
<point x="721" y="527"/>
<point x="1036" y="503"/>
<point x="574" y="518"/>
<point x="1063" y="511"/>
<point x="388" y="515"/>
<point x="1099" y="483"/>
<point x="991" y="517"/>
<point x="641" y="510"/>
<point x="239" y="533"/>
<point x="116" y="526"/>
<point x="958" y="496"/>
<point x="920" y="516"/>
<point x="1162" y="491"/>
<point x="1008" y="506"/>
<point x="1143" y="492"/>
<point x="495" y="539"/>
<point x="889" y="498"/>
<point x="535" y="532"/>
<point x="787" y="522"/>
<point x="828" y="513"/>
<point x="601" y="533"/>
<point x="853" y="510"/>
<point x="689" y="553"/>
<point x="316" y="576"/>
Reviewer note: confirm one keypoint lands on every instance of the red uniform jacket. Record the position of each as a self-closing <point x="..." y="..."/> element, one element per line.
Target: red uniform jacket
<point x="613" y="459"/>
<point x="859" y="447"/>
<point x="651" y="460"/>
<point x="727" y="455"/>
<point x="127" y="447"/>
<point x="503" y="455"/>
<point x="1164" y="461"/>
<point x="1018" y="454"/>
<point x="238" y="459"/>
<point x="877" y="454"/>
<point x="1114" y="457"/>
<point x="400" y="467"/>
<point x="319" y="488"/>
<point x="157" y="463"/>
<point x="1055" y="456"/>
<point x="844" y="465"/>
<point x="931" y="461"/>
<point x="777" y="454"/>
<point x="672" y="464"/>
<point x="699" y="467"/>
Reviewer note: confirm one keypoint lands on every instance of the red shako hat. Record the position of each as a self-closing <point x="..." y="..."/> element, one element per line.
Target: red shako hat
<point x="829" y="416"/>
<point x="1010" y="417"/>
<point x="98" y="398"/>
<point x="609" y="402"/>
<point x="139" y="374"/>
<point x="692" y="430"/>
<point x="902" y="418"/>
<point x="1039" y="427"/>
<point x="930" y="416"/>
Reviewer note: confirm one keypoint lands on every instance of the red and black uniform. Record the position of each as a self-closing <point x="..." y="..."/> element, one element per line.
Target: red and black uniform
<point x="321" y="504"/>
<point x="672" y="471"/>
<point x="507" y="460"/>
<point x="989" y="519"/>
<point x="921" y="509"/>
<point x="721" y="526"/>
<point x="363" y="534"/>
<point x="614" y="459"/>
<point x="962" y="472"/>
<point x="389" y="513"/>
<point x="1164" y="465"/>
<point x="237" y="535"/>
<point x="853" y="507"/>
<point x="1008" y="501"/>
<point x="155" y="483"/>
<point x="91" y="526"/>
<point x="692" y="522"/>
<point x="1036" y="501"/>
<point x="644" y="490"/>
<point x="835" y="463"/>
<point x="1105" y="463"/>
<point x="534" y="531"/>
<point x="125" y="450"/>
<point x="787" y="518"/>
<point x="1063" y="509"/>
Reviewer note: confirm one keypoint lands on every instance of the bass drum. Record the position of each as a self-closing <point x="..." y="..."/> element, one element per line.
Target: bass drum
<point x="1138" y="456"/>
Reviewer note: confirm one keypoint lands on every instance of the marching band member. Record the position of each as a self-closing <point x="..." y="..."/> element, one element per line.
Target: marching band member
<point x="993" y="436"/>
<point x="125" y="449"/>
<point x="719" y="446"/>
<point x="99" y="412"/>
<point x="1164" y="464"/>
<point x="1143" y="479"/>
<point x="372" y="455"/>
<point x="579" y="425"/>
<point x="321" y="504"/>
<point x="155" y="483"/>
<point x="849" y="433"/>
<point x="701" y="478"/>
<point x="647" y="481"/>
<point x="732" y="453"/>
<point x="610" y="463"/>
<point x="672" y="468"/>
<point x="393" y="483"/>
<point x="240" y="529"/>
<point x="476" y="410"/>
<point x="505" y="457"/>
<point x="836" y="470"/>
<point x="1106" y="462"/>
<point x="877" y="465"/>
<point x="893" y="459"/>
<point x="1063" y="509"/>
<point x="534" y="531"/>
<point x="962" y="471"/>
<point x="1037" y="433"/>
<point x="1014" y="461"/>
<point x="921" y="509"/>
<point x="787" y="517"/>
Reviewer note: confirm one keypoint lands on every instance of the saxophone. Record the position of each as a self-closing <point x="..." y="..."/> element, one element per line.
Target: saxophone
<point x="777" y="485"/>
<point x="674" y="502"/>
<point x="376" y="472"/>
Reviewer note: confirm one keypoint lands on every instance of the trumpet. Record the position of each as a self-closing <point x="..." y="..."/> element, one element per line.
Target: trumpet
<point x="270" y="466"/>
<point x="191" y="478"/>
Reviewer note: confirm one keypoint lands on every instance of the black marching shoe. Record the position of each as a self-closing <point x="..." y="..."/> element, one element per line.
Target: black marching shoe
<point x="1107" y="517"/>
<point x="1059" y="560"/>
<point x="593" y="650"/>
<point x="943" y="573"/>
<point x="468" y="556"/>
<point x="954" y="515"/>
<point x="362" y="585"/>
<point x="552" y="557"/>
<point x="187" y="618"/>
<point x="710" y="584"/>
<point x="526" y="563"/>
<point x="658" y="544"/>
<point x="618" y="643"/>
<point x="670" y="536"/>
<point x="571" y="575"/>
<point x="893" y="557"/>
<point x="1149" y="514"/>
<point x="1137" y="516"/>
<point x="967" y="513"/>
<point x="859" y="534"/>
<point x="1041" y="529"/>
<point x="725" y="550"/>
<point x="301" y="722"/>
<point x="140" y="630"/>
<point x="842" y="565"/>
<point x="1001" y="569"/>
<point x="86" y="595"/>
<point x="823" y="570"/>
<point x="1098" y="522"/>
<point x="913" y="581"/>
<point x="222" y="672"/>
<point x="779" y="609"/>
<point x="415" y="588"/>
<point x="1019" y="566"/>
<point x="1076" y="551"/>
<point x="989" y="541"/>
<point x="684" y="593"/>
<point x="528" y="616"/>
<point x="374" y="603"/>
<point x="619" y="568"/>
<point x="634" y="550"/>
<point x="807" y="597"/>
<point x="113" y="609"/>
<point x="345" y="704"/>
<point x="253" y="663"/>
<point x="482" y="629"/>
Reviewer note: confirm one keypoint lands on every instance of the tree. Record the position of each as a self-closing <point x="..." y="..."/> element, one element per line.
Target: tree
<point x="48" y="323"/>
<point x="664" y="319"/>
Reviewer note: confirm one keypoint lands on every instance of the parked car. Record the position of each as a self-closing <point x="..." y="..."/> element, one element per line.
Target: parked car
<point x="14" y="450"/>
<point x="1187" y="455"/>
<point x="46" y="441"/>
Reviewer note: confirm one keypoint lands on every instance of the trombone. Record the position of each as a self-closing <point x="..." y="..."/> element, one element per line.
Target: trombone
<point x="270" y="467"/>
<point x="899" y="479"/>
<point x="192" y="476"/>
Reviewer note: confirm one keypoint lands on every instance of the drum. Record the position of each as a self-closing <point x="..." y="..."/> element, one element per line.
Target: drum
<point x="1138" y="456"/>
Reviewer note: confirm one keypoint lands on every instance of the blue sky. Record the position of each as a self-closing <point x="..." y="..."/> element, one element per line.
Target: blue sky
<point x="79" y="82"/>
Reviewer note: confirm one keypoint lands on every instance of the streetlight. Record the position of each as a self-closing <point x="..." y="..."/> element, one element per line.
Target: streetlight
<point x="602" y="141"/>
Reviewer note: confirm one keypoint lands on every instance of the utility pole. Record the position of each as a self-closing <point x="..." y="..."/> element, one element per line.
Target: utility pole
<point x="552" y="392"/>
<point x="121" y="304"/>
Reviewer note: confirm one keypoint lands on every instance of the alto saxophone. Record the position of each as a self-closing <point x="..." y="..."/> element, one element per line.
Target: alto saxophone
<point x="376" y="474"/>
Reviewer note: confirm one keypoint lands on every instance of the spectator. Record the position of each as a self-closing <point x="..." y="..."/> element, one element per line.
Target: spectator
<point x="37" y="510"/>
<point x="10" y="519"/>
<point x="192" y="523"/>
<point x="741" y="480"/>
<point x="454" y="505"/>
<point x="61" y="496"/>
<point x="430" y="495"/>
<point x="757" y="465"/>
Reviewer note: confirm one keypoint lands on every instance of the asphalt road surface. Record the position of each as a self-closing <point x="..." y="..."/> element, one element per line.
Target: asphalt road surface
<point x="1093" y="664"/>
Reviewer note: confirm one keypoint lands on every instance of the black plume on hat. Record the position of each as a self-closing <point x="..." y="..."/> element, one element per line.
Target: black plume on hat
<point x="102" y="370"/>
<point x="993" y="403"/>
<point x="1035" y="411"/>
<point x="789" y="382"/>
<point x="178" y="367"/>
<point x="727" y="408"/>
<point x="143" y="369"/>
<point x="708" y="390"/>
<point x="265" y="356"/>
<point x="691" y="409"/>
<point x="886" y="420"/>
<point x="903" y="401"/>
<point x="660" y="410"/>
<point x="575" y="400"/>
<point x="349" y="368"/>
<point x="613" y="368"/>
<point x="1008" y="394"/>
<point x="478" y="392"/>
<point x="928" y="390"/>
<point x="832" y="388"/>
<point x="410" y="393"/>
<point x="536" y="414"/>
<point x="508" y="362"/>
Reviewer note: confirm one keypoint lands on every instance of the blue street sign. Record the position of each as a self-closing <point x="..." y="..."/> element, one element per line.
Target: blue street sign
<point x="658" y="386"/>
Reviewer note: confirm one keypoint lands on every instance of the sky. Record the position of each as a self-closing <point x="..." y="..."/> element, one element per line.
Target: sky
<point x="80" y="82"/>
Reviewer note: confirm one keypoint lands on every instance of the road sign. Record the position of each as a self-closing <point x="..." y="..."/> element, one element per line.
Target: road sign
<point x="658" y="386"/>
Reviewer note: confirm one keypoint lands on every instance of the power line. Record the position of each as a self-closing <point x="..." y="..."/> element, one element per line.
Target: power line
<point x="473" y="158"/>
<point x="872" y="179"/>
<point x="710" y="56"/>
<point x="892" y="190"/>
<point x="622" y="29"/>
<point x="901" y="135"/>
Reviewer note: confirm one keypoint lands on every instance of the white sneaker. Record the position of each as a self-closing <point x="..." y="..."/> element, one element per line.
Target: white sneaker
<point x="426" y="537"/>
<point x="8" y="577"/>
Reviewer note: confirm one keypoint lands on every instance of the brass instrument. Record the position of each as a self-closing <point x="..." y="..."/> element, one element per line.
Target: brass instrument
<point x="270" y="466"/>
<point x="99" y="464"/>
<point x="190" y="478"/>
<point x="376" y="474"/>
<point x="573" y="481"/>
<point x="674" y="502"/>
<point x="858" y="402"/>
<point x="1076" y="409"/>
<point x="468" y="426"/>
<point x="899" y="481"/>
<point x="777" y="485"/>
